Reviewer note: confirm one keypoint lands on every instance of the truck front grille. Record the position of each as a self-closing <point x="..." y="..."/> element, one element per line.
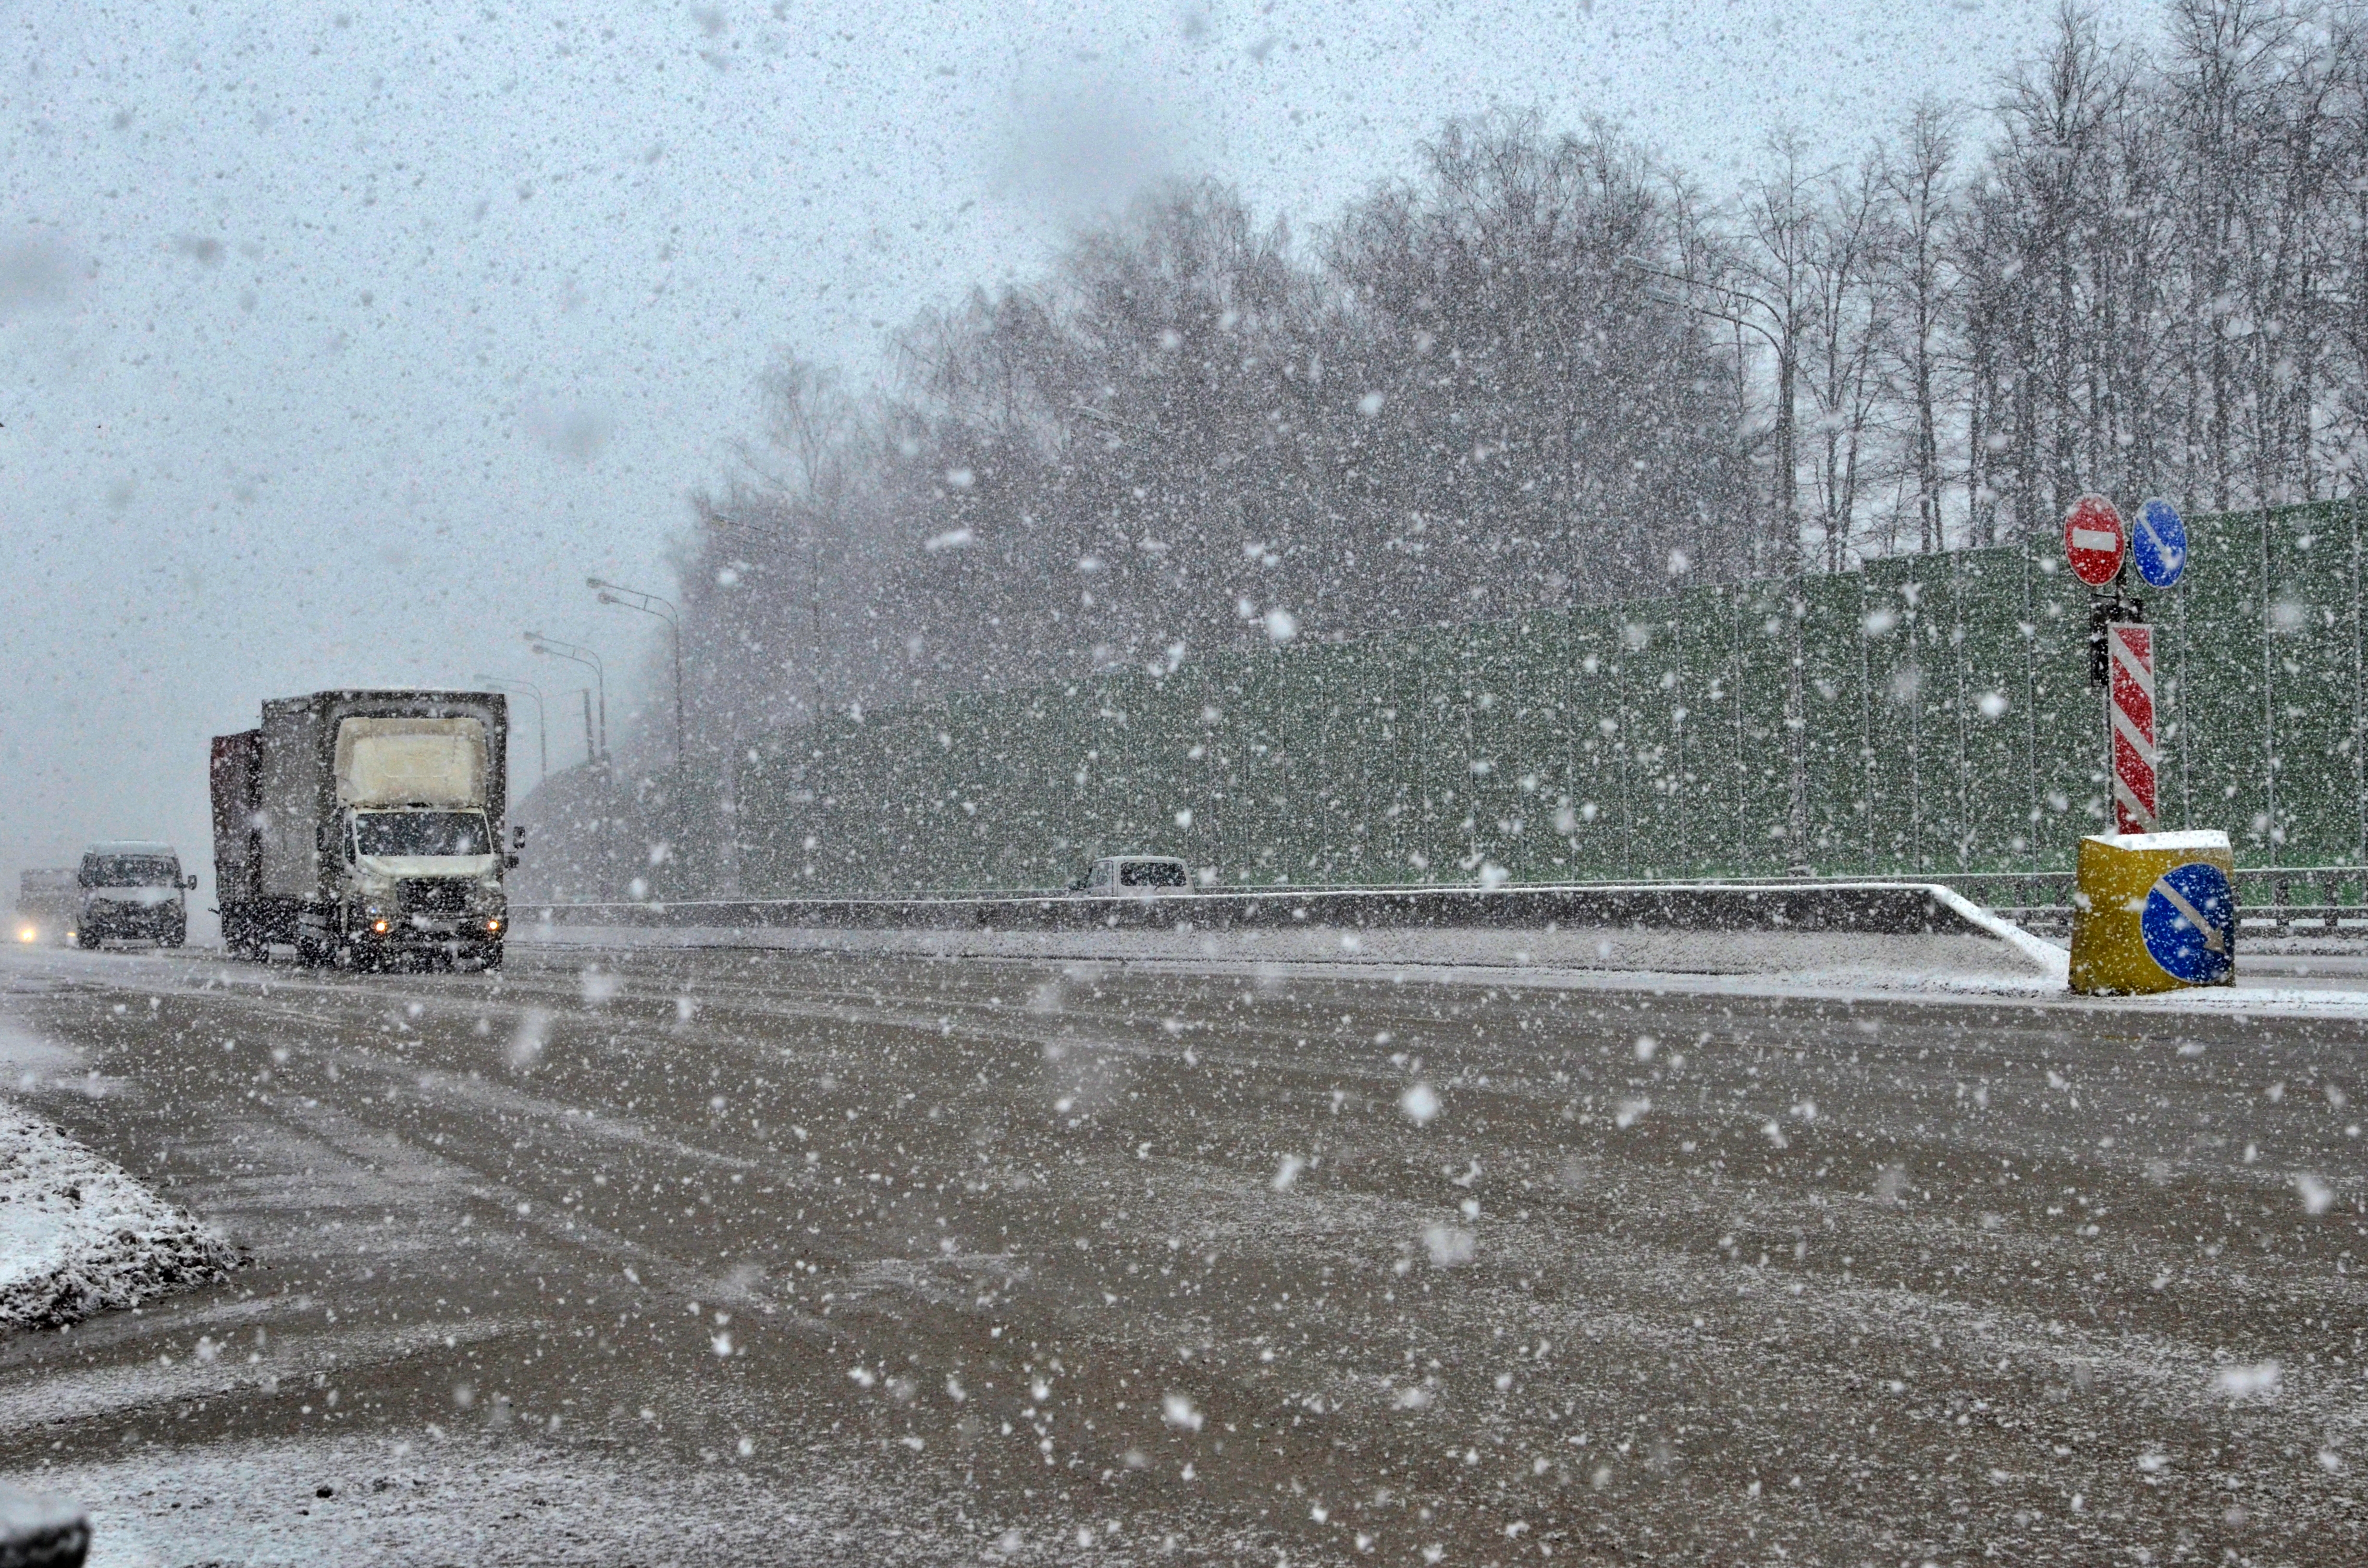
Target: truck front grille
<point x="438" y="895"/>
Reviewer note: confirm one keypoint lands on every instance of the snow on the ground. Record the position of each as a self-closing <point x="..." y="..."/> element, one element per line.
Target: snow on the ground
<point x="428" y="1499"/>
<point x="79" y="1236"/>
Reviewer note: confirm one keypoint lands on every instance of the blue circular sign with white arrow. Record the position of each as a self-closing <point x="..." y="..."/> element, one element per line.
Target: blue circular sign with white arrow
<point x="2189" y="923"/>
<point x="2159" y="543"/>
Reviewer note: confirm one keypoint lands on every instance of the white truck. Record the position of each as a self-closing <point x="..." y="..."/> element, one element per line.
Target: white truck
<point x="366" y="827"/>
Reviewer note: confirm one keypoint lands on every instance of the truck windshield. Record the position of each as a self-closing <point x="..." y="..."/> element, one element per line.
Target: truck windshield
<point x="421" y="832"/>
<point x="130" y="872"/>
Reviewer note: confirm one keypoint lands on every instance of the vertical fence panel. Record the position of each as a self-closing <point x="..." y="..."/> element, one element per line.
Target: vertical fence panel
<point x="2311" y="639"/>
<point x="1899" y="792"/>
<point x="2226" y="616"/>
<point x="1993" y="656"/>
<point x="1595" y="830"/>
<point x="1652" y="737"/>
<point x="1536" y="851"/>
<point x="1764" y="636"/>
<point x="1489" y="694"/>
<point x="1832" y="743"/>
<point x="1706" y="679"/>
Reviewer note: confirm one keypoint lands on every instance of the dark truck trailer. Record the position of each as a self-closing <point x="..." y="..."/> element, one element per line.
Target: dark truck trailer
<point x="359" y="827"/>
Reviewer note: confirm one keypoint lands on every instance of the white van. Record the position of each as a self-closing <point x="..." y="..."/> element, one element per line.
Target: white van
<point x="131" y="892"/>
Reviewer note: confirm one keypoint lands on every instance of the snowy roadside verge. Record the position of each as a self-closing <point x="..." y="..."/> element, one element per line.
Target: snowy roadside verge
<point x="78" y="1235"/>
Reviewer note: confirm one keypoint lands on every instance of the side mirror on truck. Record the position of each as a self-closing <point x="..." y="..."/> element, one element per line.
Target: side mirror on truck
<point x="190" y="882"/>
<point x="324" y="837"/>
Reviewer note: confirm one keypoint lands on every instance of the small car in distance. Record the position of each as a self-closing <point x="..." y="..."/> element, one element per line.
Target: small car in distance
<point x="1122" y="876"/>
<point x="131" y="892"/>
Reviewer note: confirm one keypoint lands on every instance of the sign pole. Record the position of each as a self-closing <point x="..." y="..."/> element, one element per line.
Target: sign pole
<point x="2096" y="546"/>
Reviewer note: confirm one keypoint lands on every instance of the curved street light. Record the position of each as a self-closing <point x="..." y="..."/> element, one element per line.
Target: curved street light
<point x="552" y="648"/>
<point x="649" y="604"/>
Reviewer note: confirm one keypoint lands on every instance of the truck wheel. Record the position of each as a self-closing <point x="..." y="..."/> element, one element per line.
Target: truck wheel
<point x="87" y="940"/>
<point x="172" y="938"/>
<point x="489" y="957"/>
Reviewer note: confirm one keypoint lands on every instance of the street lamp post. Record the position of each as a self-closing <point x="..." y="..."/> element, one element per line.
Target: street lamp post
<point x="552" y="648"/>
<point x="541" y="719"/>
<point x="1787" y="474"/>
<point x="649" y="604"/>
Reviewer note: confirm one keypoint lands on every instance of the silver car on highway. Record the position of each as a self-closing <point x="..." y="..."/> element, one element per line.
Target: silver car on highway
<point x="1120" y="876"/>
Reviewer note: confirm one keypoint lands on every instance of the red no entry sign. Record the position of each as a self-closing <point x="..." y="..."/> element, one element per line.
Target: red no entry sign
<point x="2093" y="540"/>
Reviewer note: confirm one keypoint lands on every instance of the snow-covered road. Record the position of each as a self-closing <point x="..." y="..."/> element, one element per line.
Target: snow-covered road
<point x="825" y="1251"/>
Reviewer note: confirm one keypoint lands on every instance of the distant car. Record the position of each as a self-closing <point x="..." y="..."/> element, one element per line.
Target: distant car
<point x="131" y="892"/>
<point x="1116" y="876"/>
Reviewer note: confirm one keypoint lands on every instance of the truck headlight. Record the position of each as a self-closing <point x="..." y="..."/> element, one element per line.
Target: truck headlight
<point x="380" y="926"/>
<point x="494" y="925"/>
<point x="29" y="933"/>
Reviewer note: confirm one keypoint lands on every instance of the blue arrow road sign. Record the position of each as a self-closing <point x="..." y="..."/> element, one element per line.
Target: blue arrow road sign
<point x="2189" y="923"/>
<point x="2159" y="543"/>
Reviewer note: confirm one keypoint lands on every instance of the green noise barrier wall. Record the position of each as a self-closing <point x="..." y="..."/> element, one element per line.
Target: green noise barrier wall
<point x="1928" y="715"/>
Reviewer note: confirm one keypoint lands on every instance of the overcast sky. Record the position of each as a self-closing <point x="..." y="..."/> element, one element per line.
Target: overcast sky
<point x="338" y="342"/>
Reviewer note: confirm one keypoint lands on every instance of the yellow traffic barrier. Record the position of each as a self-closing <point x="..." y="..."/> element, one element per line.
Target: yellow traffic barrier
<point x="2154" y="912"/>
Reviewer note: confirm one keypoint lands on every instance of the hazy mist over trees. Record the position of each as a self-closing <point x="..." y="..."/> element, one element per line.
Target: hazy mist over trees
<point x="1543" y="369"/>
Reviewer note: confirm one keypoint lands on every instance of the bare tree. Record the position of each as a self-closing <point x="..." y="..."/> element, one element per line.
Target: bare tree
<point x="1842" y="330"/>
<point x="1781" y="217"/>
<point x="1924" y="303"/>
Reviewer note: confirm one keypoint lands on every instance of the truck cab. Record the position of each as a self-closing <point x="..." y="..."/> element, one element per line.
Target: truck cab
<point x="131" y="892"/>
<point x="420" y="875"/>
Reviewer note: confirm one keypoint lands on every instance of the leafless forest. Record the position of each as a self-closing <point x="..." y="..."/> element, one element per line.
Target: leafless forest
<point x="1545" y="368"/>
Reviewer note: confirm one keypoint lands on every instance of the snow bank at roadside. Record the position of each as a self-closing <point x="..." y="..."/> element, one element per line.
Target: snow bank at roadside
<point x="78" y="1235"/>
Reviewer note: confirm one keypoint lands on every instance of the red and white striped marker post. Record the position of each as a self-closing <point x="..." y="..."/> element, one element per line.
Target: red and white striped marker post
<point x="2130" y="712"/>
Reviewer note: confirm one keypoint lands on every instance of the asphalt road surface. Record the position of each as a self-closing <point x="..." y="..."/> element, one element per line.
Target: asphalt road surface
<point x="716" y="1256"/>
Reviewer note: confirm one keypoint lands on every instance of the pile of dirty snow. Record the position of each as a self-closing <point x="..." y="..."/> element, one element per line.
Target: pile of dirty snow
<point x="78" y="1235"/>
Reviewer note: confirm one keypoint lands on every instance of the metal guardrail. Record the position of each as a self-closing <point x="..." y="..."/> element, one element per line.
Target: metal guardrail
<point x="1892" y="907"/>
<point x="2275" y="900"/>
